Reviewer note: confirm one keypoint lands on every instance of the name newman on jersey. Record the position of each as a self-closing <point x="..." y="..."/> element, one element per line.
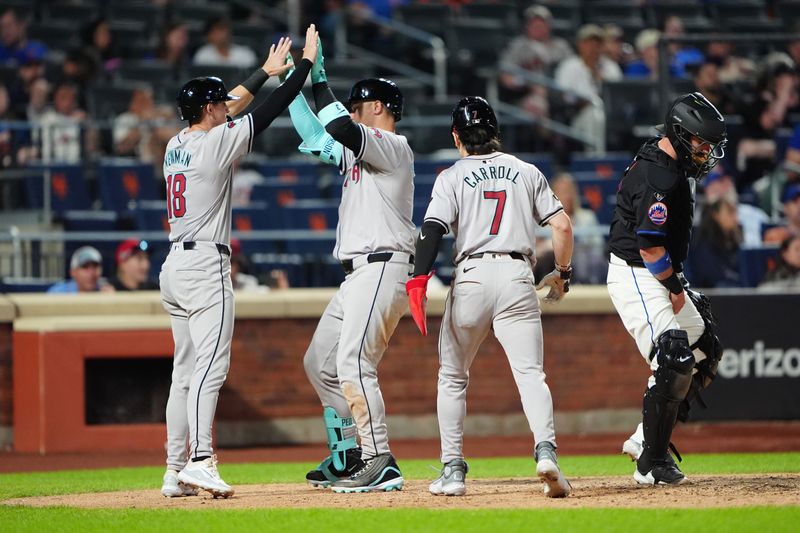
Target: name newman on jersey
<point x="498" y="172"/>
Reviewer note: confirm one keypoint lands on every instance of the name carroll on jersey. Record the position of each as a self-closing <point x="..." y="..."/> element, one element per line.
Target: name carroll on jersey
<point x="177" y="157"/>
<point x="498" y="172"/>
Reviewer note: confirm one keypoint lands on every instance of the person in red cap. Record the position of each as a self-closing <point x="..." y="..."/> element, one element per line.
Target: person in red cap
<point x="133" y="267"/>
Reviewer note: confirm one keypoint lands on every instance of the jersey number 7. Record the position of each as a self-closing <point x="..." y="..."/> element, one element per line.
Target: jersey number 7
<point x="176" y="202"/>
<point x="500" y="196"/>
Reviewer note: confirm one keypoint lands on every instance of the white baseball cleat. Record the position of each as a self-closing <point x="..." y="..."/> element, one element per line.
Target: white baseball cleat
<point x="632" y="449"/>
<point x="203" y="475"/>
<point x="452" y="481"/>
<point x="172" y="488"/>
<point x="555" y="484"/>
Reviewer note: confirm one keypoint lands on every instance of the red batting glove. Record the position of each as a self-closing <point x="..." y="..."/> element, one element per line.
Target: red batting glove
<point x="417" y="288"/>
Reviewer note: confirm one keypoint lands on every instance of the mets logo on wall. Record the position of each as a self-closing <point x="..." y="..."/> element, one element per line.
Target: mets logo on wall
<point x="658" y="213"/>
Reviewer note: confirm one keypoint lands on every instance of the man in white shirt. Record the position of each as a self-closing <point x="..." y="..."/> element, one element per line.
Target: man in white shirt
<point x="584" y="74"/>
<point x="220" y="50"/>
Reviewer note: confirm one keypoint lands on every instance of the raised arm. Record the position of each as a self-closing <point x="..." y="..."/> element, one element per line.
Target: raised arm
<point x="281" y="97"/>
<point x="273" y="66"/>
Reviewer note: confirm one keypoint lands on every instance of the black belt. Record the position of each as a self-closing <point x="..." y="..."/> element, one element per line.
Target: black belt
<point x="512" y="255"/>
<point x="191" y="245"/>
<point x="381" y="257"/>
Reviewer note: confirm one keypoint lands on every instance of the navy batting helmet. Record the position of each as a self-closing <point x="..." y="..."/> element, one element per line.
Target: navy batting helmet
<point x="383" y="90"/>
<point x="692" y="115"/>
<point x="198" y="92"/>
<point x="473" y="111"/>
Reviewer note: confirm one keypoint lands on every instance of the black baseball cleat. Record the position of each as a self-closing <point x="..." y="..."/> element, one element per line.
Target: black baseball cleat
<point x="660" y="473"/>
<point x="326" y="473"/>
<point x="379" y="473"/>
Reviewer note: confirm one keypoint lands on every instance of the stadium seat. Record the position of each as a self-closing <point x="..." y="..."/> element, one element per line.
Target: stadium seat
<point x="610" y="165"/>
<point x="68" y="188"/>
<point x="280" y="193"/>
<point x="57" y="34"/>
<point x="294" y="265"/>
<point x="153" y="72"/>
<point x="288" y="170"/>
<point x="659" y="10"/>
<point x="151" y="216"/>
<point x="10" y="284"/>
<point x="313" y="215"/>
<point x="108" y="101"/>
<point x="599" y="195"/>
<point x="89" y="220"/>
<point x="150" y="14"/>
<point x="121" y="186"/>
<point x="431" y="18"/>
<point x="754" y="263"/>
<point x="503" y="12"/>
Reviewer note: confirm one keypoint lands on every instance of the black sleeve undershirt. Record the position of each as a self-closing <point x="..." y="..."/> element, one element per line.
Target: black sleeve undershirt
<point x="428" y="247"/>
<point x="279" y="99"/>
<point x="342" y="129"/>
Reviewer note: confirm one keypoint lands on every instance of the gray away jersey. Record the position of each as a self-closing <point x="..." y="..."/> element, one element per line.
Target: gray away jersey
<point x="492" y="203"/>
<point x="377" y="196"/>
<point x="198" y="169"/>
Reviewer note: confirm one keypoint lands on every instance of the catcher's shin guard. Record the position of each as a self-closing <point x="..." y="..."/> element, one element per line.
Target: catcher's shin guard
<point x="662" y="400"/>
<point x="335" y="428"/>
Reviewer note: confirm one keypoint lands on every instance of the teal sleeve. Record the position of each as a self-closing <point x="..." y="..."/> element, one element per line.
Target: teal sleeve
<point x="316" y="141"/>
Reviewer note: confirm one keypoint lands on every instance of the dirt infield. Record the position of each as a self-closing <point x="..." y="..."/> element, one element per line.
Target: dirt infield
<point x="607" y="492"/>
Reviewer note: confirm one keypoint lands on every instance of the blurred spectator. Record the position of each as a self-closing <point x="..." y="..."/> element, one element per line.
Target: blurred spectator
<point x="792" y="157"/>
<point x="763" y="113"/>
<point x="584" y="74"/>
<point x="707" y="82"/>
<point x="714" y="254"/>
<point x="60" y="127"/>
<point x="99" y="44"/>
<point x="86" y="270"/>
<point x="7" y="148"/>
<point x="244" y="178"/>
<point x="173" y="46"/>
<point x="29" y="90"/>
<point x="647" y="64"/>
<point x="137" y="133"/>
<point x="719" y="184"/>
<point x="791" y="212"/>
<point x="614" y="46"/>
<point x="80" y="68"/>
<point x="133" y="267"/>
<point x="681" y="56"/>
<point x="793" y="47"/>
<point x="243" y="280"/>
<point x="220" y="50"/>
<point x="15" y="48"/>
<point x="536" y="51"/>
<point x="589" y="249"/>
<point x="786" y="274"/>
<point x="731" y="68"/>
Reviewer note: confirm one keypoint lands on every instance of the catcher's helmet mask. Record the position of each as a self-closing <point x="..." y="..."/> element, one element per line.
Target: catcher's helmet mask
<point x="693" y="116"/>
<point x="197" y="93"/>
<point x="380" y="89"/>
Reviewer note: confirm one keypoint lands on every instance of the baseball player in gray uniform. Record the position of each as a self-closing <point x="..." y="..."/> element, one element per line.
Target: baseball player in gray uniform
<point x="195" y="279"/>
<point x="492" y="202"/>
<point x="374" y="243"/>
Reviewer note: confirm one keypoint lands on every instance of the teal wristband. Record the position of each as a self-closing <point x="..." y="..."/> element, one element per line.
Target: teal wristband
<point x="331" y="112"/>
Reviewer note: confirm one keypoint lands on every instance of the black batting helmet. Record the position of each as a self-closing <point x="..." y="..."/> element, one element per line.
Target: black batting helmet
<point x="693" y="115"/>
<point x="383" y="90"/>
<point x="198" y="92"/>
<point x="473" y="111"/>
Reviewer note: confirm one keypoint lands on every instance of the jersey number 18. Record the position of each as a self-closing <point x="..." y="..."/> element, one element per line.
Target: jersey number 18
<point x="176" y="202"/>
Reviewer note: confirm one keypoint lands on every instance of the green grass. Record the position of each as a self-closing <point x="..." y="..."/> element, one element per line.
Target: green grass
<point x="317" y="520"/>
<point x="72" y="481"/>
<point x="759" y="519"/>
